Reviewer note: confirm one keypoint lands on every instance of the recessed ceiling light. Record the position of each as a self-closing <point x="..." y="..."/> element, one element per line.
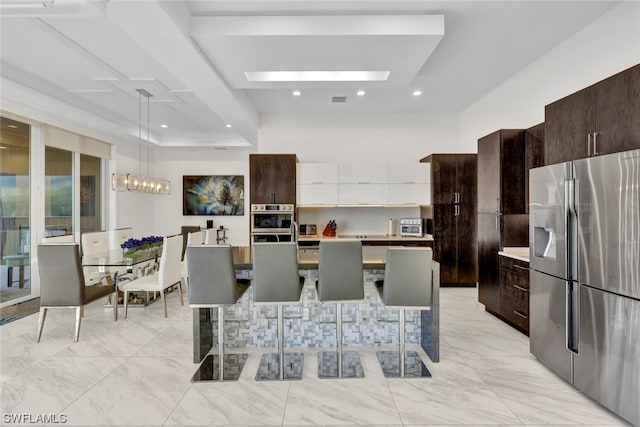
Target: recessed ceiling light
<point x="228" y="125"/>
<point x="297" y="93"/>
<point x="12" y="126"/>
<point x="164" y="126"/>
<point x="316" y="76"/>
<point x="360" y="93"/>
<point x="417" y="92"/>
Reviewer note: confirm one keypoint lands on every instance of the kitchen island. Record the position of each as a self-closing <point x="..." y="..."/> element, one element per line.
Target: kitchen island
<point x="312" y="324"/>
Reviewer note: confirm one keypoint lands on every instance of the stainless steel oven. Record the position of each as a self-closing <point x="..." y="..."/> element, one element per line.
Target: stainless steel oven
<point x="272" y="219"/>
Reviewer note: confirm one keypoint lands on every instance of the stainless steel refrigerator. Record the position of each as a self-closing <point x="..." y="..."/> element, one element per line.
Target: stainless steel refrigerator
<point x="585" y="276"/>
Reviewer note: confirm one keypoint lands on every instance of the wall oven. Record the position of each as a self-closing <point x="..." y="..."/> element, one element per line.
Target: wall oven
<point x="272" y="223"/>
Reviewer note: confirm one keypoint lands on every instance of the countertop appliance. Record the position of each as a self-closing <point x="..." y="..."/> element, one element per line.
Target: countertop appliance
<point x="585" y="276"/>
<point x="272" y="223"/>
<point x="411" y="227"/>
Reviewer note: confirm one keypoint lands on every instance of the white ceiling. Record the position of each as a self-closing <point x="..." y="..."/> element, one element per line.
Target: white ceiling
<point x="192" y="55"/>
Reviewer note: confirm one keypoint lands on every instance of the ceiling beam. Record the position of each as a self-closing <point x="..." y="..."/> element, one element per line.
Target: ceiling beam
<point x="162" y="30"/>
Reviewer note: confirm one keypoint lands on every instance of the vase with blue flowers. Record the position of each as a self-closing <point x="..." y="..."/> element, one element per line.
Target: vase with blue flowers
<point x="147" y="244"/>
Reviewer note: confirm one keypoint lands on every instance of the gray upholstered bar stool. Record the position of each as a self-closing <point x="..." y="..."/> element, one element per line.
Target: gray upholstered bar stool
<point x="340" y="280"/>
<point x="276" y="281"/>
<point x="407" y="284"/>
<point x="213" y="284"/>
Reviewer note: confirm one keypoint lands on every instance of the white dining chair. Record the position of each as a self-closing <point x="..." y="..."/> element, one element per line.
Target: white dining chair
<point x="168" y="274"/>
<point x="92" y="243"/>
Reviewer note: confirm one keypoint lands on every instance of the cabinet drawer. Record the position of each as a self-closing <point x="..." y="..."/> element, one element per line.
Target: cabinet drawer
<point x="514" y="285"/>
<point x="515" y="265"/>
<point x="515" y="311"/>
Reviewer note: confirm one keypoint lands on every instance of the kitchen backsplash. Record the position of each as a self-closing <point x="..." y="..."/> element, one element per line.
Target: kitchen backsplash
<point x="357" y="220"/>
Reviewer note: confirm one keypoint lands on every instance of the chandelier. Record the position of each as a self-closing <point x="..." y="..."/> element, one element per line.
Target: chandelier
<point x="140" y="182"/>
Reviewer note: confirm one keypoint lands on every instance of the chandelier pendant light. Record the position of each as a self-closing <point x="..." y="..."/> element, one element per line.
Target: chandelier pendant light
<point x="141" y="182"/>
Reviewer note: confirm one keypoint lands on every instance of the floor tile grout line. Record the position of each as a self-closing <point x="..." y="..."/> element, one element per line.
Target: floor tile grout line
<point x="286" y="401"/>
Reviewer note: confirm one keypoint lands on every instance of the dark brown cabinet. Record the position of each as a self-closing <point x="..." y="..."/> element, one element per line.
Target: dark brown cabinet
<point x="514" y="286"/>
<point x="502" y="219"/>
<point x="452" y="178"/>
<point x="272" y="178"/>
<point x="533" y="155"/>
<point x="501" y="172"/>
<point x="453" y="215"/>
<point x="600" y="119"/>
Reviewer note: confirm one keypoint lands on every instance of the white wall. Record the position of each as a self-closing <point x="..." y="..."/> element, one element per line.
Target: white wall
<point x="607" y="46"/>
<point x="370" y="137"/>
<point x="173" y="163"/>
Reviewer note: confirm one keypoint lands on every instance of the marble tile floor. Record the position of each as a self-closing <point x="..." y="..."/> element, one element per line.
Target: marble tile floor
<point x="136" y="372"/>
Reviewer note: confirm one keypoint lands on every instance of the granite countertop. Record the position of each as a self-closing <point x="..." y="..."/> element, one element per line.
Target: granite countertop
<point x="521" y="253"/>
<point x="368" y="237"/>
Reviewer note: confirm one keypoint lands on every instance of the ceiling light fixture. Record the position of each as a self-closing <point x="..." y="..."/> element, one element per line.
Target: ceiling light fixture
<point x="227" y="125"/>
<point x="164" y="126"/>
<point x="297" y="93"/>
<point x="417" y="92"/>
<point x="360" y="93"/>
<point x="141" y="183"/>
<point x="12" y="126"/>
<point x="316" y="76"/>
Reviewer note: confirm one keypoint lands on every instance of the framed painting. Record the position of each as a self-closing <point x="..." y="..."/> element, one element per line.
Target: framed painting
<point x="213" y="195"/>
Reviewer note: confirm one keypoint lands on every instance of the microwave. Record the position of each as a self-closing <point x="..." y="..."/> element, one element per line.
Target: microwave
<point x="411" y="227"/>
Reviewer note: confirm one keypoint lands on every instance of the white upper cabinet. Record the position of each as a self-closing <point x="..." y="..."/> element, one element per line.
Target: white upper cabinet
<point x="363" y="194"/>
<point x="317" y="173"/>
<point x="363" y="173"/>
<point x="317" y="194"/>
<point x="363" y="184"/>
<point x="409" y="194"/>
<point x="409" y="173"/>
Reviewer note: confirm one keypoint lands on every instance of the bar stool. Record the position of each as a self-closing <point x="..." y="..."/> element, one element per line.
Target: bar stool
<point x="276" y="281"/>
<point x="407" y="284"/>
<point x="340" y="280"/>
<point x="213" y="284"/>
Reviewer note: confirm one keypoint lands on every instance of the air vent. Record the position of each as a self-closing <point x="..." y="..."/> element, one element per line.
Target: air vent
<point x="339" y="99"/>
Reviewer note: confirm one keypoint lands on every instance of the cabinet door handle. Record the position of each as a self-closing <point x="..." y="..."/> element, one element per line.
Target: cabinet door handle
<point x="595" y="144"/>
<point x="588" y="145"/>
<point x="456" y="210"/>
<point x="520" y="288"/>
<point x="520" y="267"/>
<point x="524" y="316"/>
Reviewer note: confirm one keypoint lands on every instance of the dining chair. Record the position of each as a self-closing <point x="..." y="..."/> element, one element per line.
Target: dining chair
<point x="193" y="238"/>
<point x="62" y="283"/>
<point x="213" y="284"/>
<point x="95" y="242"/>
<point x="340" y="280"/>
<point x="168" y="274"/>
<point x="407" y="285"/>
<point x="276" y="281"/>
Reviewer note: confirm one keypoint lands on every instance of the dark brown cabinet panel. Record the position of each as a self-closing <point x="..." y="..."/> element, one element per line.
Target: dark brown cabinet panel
<point x="533" y="155"/>
<point x="514" y="285"/>
<point x="501" y="171"/>
<point x="617" y="113"/>
<point x="568" y="123"/>
<point x="466" y="234"/>
<point x="272" y="178"/>
<point x="445" y="242"/>
<point x="488" y="267"/>
<point x="443" y="178"/>
<point x="453" y="212"/>
<point x="600" y="119"/>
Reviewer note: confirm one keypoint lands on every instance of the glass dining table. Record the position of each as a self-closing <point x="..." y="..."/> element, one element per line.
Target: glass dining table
<point x="115" y="265"/>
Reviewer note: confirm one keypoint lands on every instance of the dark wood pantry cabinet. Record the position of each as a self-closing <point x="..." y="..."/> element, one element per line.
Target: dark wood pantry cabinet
<point x="502" y="219"/>
<point x="453" y="215"/>
<point x="272" y="178"/>
<point x="600" y="119"/>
